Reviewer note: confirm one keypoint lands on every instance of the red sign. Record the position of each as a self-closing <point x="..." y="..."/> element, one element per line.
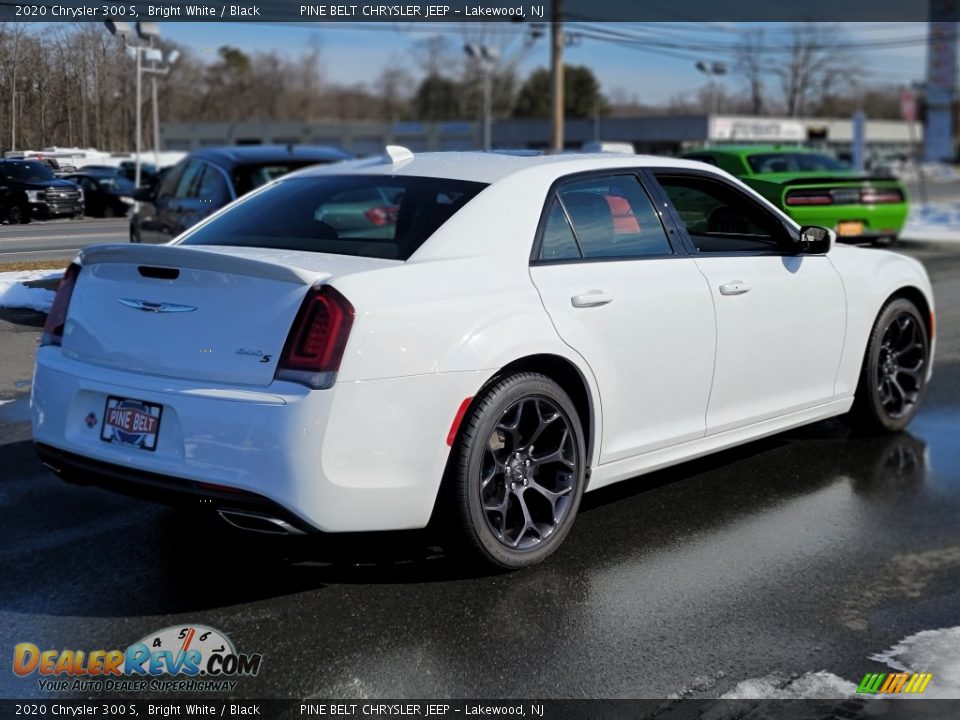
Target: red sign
<point x="908" y="106"/>
<point x="131" y="421"/>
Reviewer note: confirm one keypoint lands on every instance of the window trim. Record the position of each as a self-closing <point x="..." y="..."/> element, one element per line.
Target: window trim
<point x="673" y="240"/>
<point x="682" y="227"/>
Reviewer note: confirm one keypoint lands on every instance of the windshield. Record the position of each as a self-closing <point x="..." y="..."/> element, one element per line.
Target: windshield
<point x="250" y="177"/>
<point x="373" y="216"/>
<point x="793" y="162"/>
<point x="26" y="170"/>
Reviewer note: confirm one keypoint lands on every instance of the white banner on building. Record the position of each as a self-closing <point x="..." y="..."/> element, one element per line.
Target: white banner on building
<point x="750" y="129"/>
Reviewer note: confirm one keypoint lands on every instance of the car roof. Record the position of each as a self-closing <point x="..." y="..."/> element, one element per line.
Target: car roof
<point x="229" y="156"/>
<point x="490" y="167"/>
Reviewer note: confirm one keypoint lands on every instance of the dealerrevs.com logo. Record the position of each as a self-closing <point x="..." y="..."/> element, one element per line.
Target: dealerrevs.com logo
<point x="179" y="658"/>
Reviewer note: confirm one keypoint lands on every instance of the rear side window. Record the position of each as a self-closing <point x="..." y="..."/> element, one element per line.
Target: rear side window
<point x="611" y="217"/>
<point x="559" y="242"/>
<point x="361" y="215"/>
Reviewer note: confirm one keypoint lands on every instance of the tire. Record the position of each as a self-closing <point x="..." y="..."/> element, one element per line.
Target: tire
<point x="510" y="507"/>
<point x="893" y="377"/>
<point x="18" y="215"/>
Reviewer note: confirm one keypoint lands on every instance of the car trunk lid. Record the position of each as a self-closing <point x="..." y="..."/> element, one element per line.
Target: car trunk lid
<point x="214" y="314"/>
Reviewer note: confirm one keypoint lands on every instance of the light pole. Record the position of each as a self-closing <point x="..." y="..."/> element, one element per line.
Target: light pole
<point x="488" y="58"/>
<point x="713" y="70"/>
<point x="146" y="31"/>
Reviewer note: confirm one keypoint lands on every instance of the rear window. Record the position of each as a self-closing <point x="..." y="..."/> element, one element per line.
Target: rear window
<point x="793" y="162"/>
<point x="362" y="215"/>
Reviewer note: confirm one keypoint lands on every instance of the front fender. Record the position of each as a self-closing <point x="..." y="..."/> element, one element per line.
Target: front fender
<point x="870" y="277"/>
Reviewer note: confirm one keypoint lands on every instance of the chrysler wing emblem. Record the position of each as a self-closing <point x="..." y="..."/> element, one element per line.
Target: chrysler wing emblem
<point x="155" y="307"/>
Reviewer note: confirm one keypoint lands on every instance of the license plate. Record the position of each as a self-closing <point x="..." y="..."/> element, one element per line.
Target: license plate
<point x="843" y="197"/>
<point x="131" y="422"/>
<point x="850" y="228"/>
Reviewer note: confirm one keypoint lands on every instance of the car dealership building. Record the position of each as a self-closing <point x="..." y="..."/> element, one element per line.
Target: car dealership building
<point x="660" y="134"/>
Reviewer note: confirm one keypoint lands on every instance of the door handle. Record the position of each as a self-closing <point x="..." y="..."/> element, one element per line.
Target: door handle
<point x="593" y="298"/>
<point x="737" y="287"/>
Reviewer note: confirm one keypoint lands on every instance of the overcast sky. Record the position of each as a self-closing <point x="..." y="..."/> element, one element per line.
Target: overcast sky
<point x="353" y="53"/>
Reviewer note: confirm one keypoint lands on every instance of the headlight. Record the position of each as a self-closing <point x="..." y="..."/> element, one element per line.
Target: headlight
<point x="81" y="195"/>
<point x="127" y="200"/>
<point x="36" y="196"/>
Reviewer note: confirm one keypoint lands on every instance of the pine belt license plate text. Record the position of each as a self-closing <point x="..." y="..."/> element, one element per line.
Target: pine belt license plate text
<point x="131" y="422"/>
<point x="850" y="228"/>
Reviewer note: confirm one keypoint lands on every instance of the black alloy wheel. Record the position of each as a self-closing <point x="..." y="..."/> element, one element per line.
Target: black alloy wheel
<point x="518" y="471"/>
<point x="893" y="379"/>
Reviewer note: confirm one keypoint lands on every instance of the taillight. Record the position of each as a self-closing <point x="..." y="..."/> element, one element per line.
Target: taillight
<point x="382" y="215"/>
<point x="57" y="317"/>
<point x="808" y="198"/>
<point x="314" y="347"/>
<point x="879" y="197"/>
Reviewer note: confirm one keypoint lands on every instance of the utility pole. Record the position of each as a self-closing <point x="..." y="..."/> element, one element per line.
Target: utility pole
<point x="488" y="57"/>
<point x="156" y="110"/>
<point x="556" y="77"/>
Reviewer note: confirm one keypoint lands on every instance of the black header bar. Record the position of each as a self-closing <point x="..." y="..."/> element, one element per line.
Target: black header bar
<point x="529" y="11"/>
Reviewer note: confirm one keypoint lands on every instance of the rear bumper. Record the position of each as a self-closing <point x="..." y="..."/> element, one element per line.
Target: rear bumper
<point x="164" y="489"/>
<point x="361" y="456"/>
<point x="878" y="221"/>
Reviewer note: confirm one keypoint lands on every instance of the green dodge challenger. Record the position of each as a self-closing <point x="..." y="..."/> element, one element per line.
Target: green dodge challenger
<point x="815" y="189"/>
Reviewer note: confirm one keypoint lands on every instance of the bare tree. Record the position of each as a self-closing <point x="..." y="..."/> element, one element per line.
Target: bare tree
<point x="815" y="63"/>
<point x="751" y="63"/>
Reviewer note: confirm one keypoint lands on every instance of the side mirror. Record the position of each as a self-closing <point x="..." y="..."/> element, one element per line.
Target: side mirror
<point x="144" y="193"/>
<point x="815" y="240"/>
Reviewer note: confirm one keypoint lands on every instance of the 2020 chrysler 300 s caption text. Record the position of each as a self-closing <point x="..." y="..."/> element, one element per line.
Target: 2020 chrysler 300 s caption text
<point x="473" y="339"/>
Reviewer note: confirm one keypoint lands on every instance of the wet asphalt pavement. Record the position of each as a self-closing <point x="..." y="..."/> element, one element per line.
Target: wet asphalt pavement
<point x="807" y="551"/>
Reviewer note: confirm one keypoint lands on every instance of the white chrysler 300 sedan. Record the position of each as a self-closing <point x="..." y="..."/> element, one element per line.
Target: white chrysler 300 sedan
<point x="474" y="339"/>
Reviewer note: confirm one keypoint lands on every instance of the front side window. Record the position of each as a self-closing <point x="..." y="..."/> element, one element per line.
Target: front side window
<point x="212" y="187"/>
<point x="187" y="185"/>
<point x="361" y="215"/>
<point x="610" y="217"/>
<point x="720" y="218"/>
<point x="171" y="179"/>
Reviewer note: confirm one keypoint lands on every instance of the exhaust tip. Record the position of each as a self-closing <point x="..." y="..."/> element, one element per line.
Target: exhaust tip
<point x="252" y="522"/>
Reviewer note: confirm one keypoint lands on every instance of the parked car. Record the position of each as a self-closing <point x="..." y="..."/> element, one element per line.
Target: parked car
<point x="105" y="195"/>
<point x="29" y="189"/>
<point x="509" y="342"/>
<point x="148" y="172"/>
<point x="813" y="188"/>
<point x="208" y="179"/>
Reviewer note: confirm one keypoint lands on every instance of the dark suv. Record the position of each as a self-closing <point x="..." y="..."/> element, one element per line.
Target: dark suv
<point x="208" y="179"/>
<point x="29" y="189"/>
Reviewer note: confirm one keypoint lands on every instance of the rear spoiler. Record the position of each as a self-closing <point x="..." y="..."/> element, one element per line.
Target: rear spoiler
<point x="838" y="180"/>
<point x="196" y="258"/>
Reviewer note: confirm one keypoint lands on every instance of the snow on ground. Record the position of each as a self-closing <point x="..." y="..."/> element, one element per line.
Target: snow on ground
<point x="932" y="651"/>
<point x="777" y="686"/>
<point x="933" y="222"/>
<point x="14" y="294"/>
